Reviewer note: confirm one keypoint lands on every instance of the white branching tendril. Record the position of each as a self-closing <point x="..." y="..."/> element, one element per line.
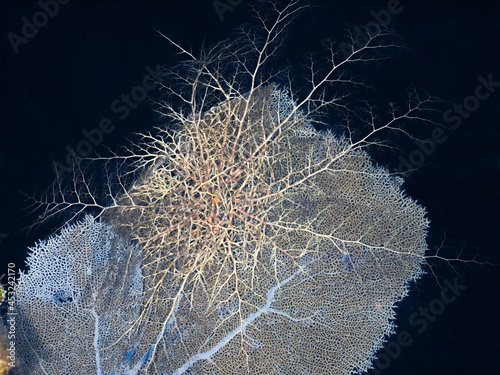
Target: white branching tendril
<point x="257" y="232"/>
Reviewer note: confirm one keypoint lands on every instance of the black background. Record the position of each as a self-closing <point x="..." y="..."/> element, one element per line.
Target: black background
<point x="67" y="75"/>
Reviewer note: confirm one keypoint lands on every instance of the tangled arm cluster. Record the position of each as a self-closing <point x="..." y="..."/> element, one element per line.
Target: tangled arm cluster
<point x="249" y="243"/>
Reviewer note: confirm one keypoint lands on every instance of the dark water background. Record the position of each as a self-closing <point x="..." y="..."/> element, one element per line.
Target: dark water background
<point x="64" y="79"/>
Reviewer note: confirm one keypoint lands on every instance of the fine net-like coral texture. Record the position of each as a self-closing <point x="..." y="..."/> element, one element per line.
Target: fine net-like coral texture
<point x="270" y="247"/>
